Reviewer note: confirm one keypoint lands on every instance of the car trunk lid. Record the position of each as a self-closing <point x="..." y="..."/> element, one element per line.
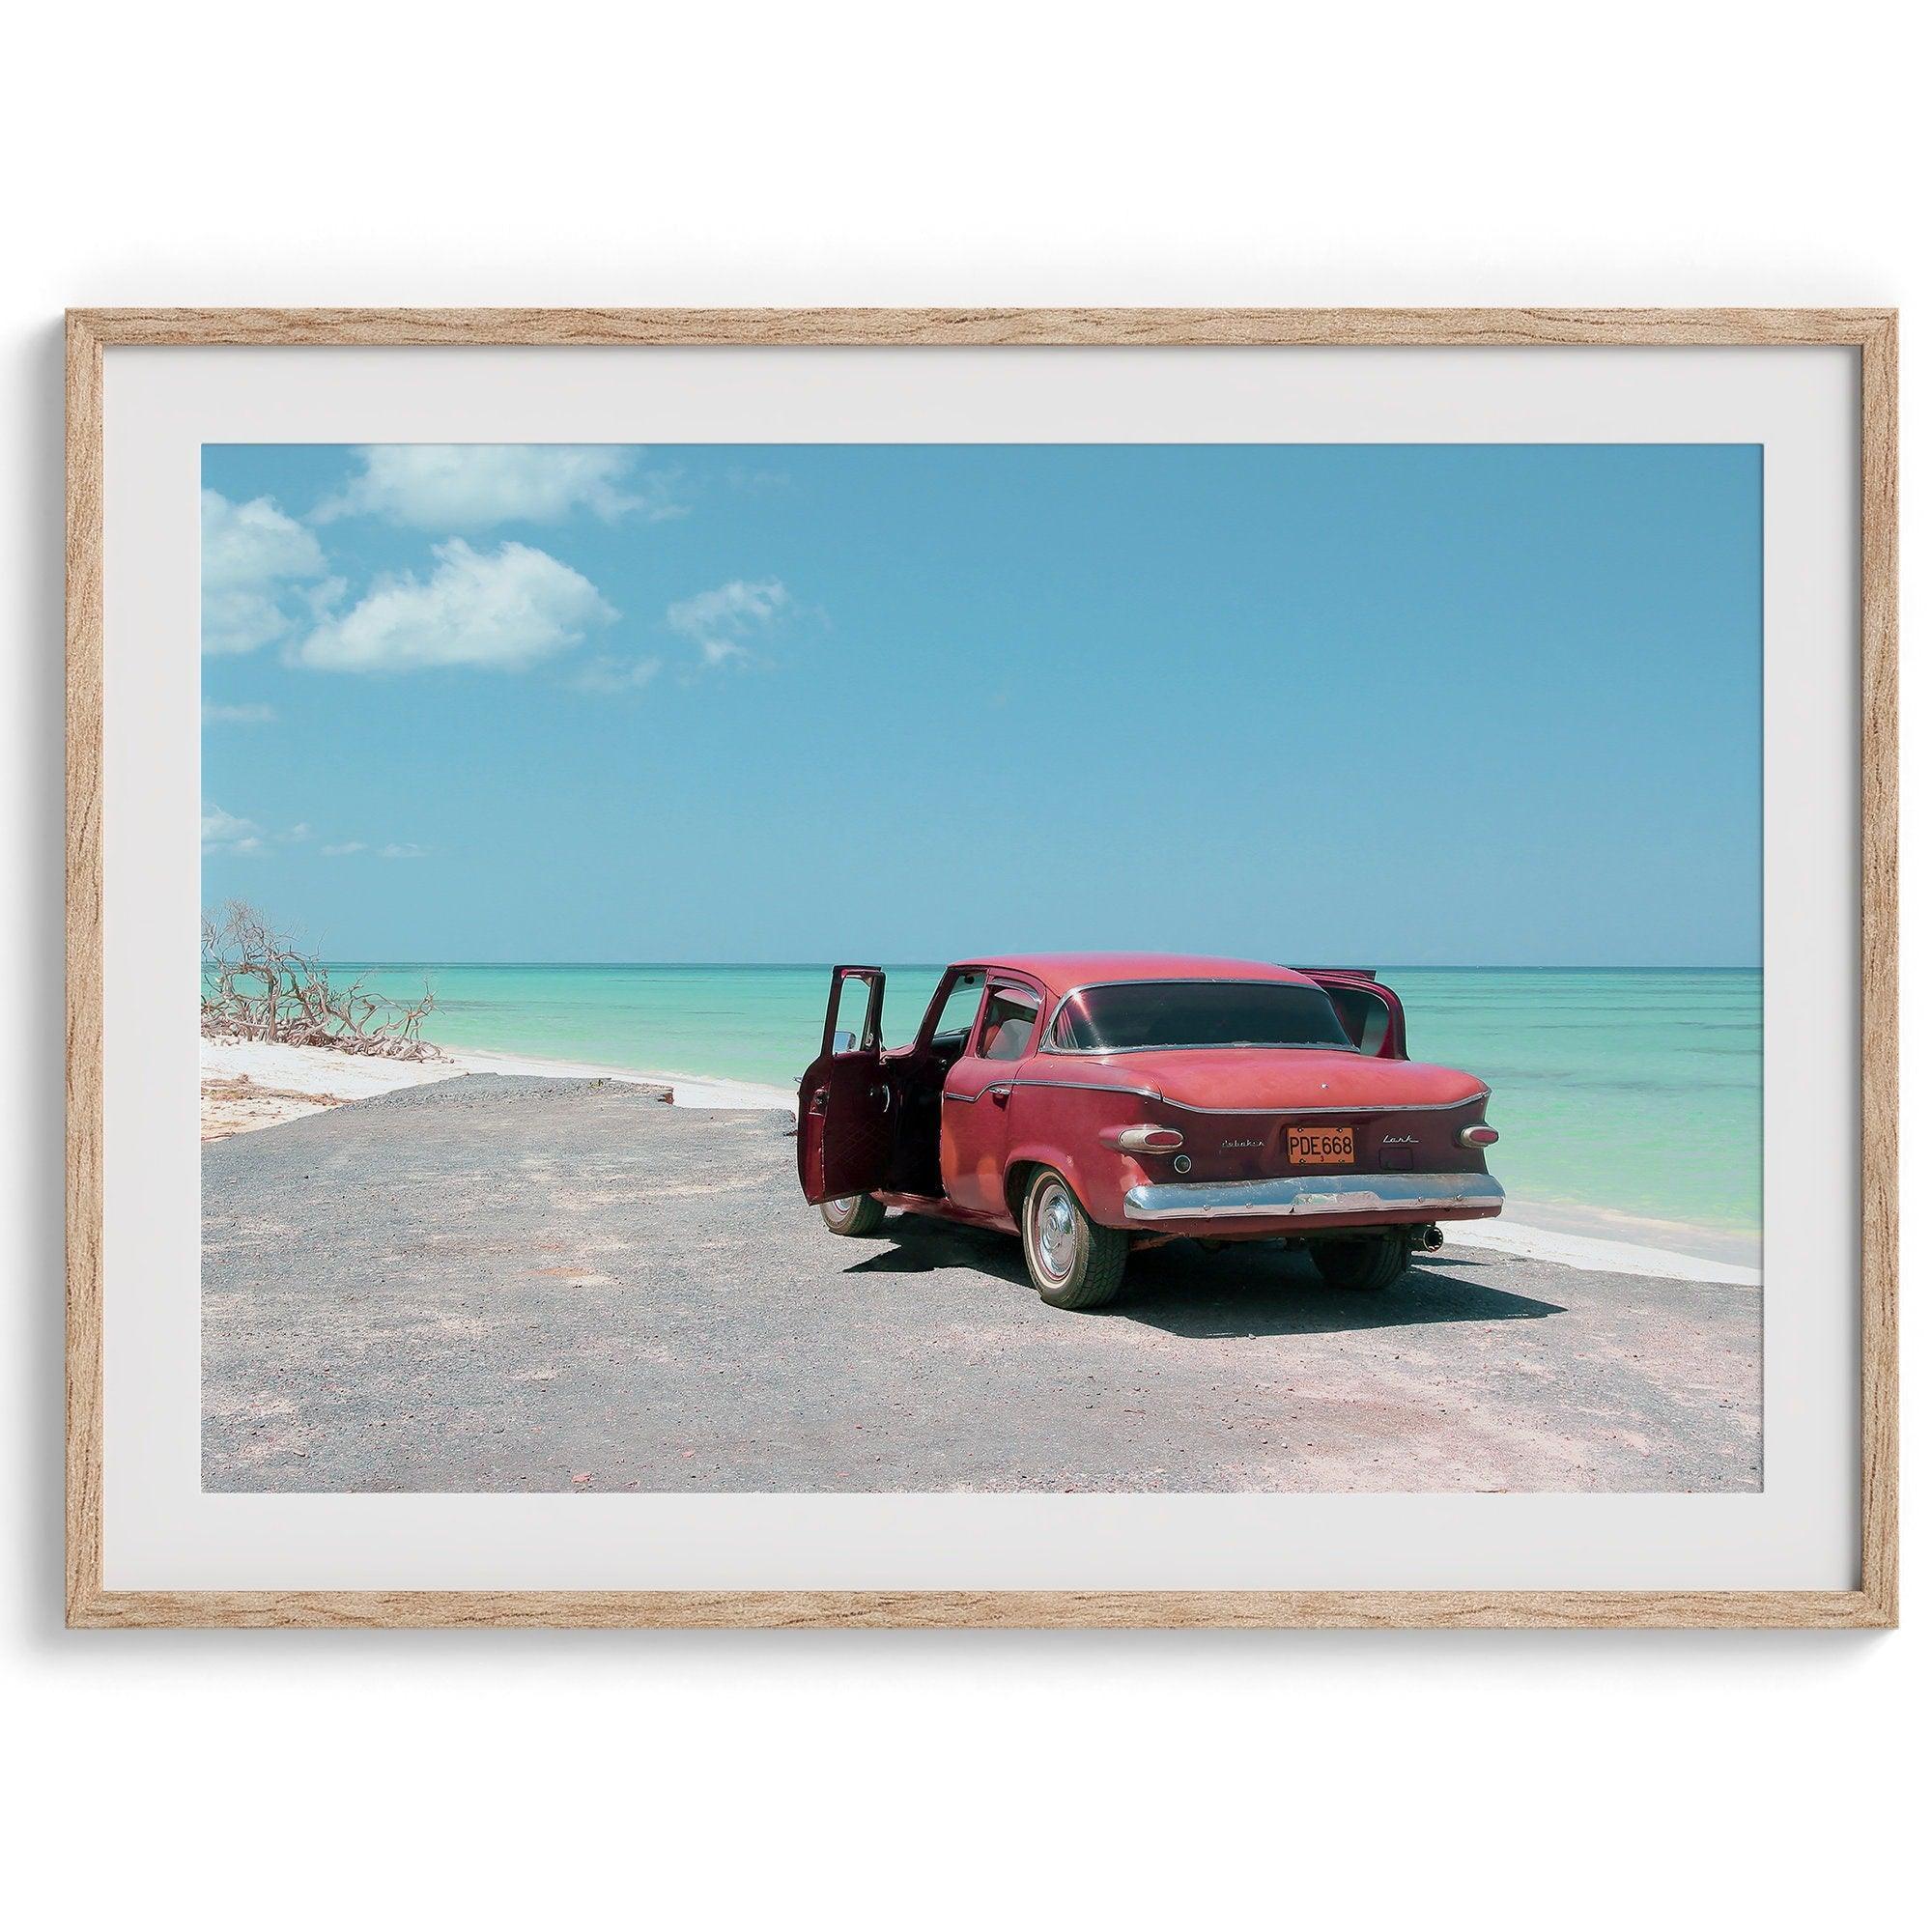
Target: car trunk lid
<point x="1259" y="1113"/>
<point x="1280" y="1079"/>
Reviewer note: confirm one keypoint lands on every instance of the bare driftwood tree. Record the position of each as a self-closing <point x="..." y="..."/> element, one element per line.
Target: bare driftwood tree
<point x="255" y="984"/>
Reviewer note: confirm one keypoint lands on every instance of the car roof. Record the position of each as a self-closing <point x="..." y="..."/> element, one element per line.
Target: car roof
<point x="1062" y="972"/>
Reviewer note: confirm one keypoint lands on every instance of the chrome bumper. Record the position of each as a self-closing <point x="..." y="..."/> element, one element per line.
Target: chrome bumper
<point x="1313" y="1197"/>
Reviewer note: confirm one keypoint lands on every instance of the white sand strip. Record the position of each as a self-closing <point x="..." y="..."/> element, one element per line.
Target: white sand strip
<point x="314" y="1070"/>
<point x="1507" y="1236"/>
<point x="355" y="1076"/>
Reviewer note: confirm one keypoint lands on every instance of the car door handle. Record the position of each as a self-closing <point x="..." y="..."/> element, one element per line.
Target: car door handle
<point x="999" y="1095"/>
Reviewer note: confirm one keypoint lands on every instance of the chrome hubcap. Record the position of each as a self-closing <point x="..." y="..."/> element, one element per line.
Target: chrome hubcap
<point x="842" y="1206"/>
<point x="1055" y="1232"/>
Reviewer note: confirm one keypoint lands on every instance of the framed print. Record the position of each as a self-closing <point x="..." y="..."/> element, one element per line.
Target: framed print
<point x="1015" y="968"/>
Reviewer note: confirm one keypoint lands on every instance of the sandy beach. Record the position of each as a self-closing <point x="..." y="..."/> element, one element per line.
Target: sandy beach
<point x="247" y="1085"/>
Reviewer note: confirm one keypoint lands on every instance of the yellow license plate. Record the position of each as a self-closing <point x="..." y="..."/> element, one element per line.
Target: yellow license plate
<point x="1320" y="1147"/>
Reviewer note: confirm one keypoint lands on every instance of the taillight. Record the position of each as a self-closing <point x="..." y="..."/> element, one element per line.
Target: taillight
<point x="1143" y="1140"/>
<point x="1478" y="1135"/>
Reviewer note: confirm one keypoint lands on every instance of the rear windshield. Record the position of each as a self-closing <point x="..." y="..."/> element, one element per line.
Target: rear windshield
<point x="1182" y="1013"/>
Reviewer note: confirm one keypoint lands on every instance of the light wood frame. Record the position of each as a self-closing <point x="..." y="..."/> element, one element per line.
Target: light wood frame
<point x="1872" y="333"/>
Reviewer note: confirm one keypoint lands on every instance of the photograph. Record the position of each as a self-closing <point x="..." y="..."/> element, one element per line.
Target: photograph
<point x="921" y="967"/>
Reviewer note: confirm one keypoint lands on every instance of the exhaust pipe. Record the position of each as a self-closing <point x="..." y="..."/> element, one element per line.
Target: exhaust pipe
<point x="1428" y="1239"/>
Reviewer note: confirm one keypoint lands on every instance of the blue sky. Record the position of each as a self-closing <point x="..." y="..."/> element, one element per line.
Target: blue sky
<point x="1457" y="705"/>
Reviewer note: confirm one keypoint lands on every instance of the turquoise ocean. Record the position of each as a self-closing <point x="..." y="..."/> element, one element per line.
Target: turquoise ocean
<point x="1628" y="1100"/>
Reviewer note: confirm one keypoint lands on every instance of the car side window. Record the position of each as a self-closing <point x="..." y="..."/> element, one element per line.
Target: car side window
<point x="963" y="1002"/>
<point x="1363" y="1015"/>
<point x="1008" y="1026"/>
<point x="851" y="1027"/>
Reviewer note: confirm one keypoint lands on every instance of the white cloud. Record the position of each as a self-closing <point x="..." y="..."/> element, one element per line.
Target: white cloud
<point x="720" y="621"/>
<point x="252" y="542"/>
<point x="502" y="611"/>
<point x="237" y="713"/>
<point x="399" y="849"/>
<point x="734" y="606"/>
<point x="472" y="485"/>
<point x="609" y="676"/>
<point x="218" y="824"/>
<point x="253" y="558"/>
<point x="222" y="831"/>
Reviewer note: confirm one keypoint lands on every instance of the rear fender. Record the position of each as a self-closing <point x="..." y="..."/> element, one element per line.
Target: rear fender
<point x="1100" y="1175"/>
<point x="1060" y="1125"/>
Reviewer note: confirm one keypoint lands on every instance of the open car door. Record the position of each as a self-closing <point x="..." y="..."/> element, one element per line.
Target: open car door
<point x="1371" y="1015"/>
<point x="846" y="1120"/>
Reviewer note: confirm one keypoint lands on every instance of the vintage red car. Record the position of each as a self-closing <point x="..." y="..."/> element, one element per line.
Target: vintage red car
<point x="1095" y="1103"/>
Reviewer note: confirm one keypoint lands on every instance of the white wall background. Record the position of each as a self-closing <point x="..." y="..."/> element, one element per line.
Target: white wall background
<point x="1128" y="154"/>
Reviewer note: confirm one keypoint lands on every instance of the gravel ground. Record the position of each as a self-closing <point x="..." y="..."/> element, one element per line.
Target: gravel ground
<point x="518" y="1284"/>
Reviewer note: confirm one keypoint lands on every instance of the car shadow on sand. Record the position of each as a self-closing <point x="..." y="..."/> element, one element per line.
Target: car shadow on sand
<point x="1244" y="1289"/>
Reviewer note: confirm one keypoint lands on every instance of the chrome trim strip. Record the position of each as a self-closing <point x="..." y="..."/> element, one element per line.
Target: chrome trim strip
<point x="1284" y="1113"/>
<point x="1360" y="1107"/>
<point x="1207" y="1046"/>
<point x="1093" y="1087"/>
<point x="1311" y="1197"/>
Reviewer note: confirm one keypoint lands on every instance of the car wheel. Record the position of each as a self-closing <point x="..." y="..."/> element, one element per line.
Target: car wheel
<point x="853" y="1214"/>
<point x="1073" y="1260"/>
<point x="1365" y="1266"/>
